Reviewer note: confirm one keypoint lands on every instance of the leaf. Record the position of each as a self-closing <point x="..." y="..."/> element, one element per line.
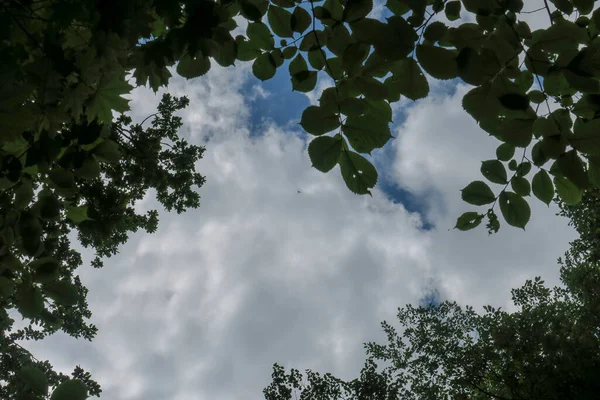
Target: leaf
<point x="409" y="80"/>
<point x="370" y="87"/>
<point x="353" y="56"/>
<point x="77" y="214"/>
<point x="264" y="67"/>
<point x="594" y="171"/>
<point x="494" y="171"/>
<point x="573" y="169"/>
<point x="107" y="151"/>
<point x="29" y="301"/>
<point x="536" y="96"/>
<point x="378" y="109"/>
<point x="317" y="121"/>
<point x="438" y="62"/>
<point x="189" y="67"/>
<point x="107" y="98"/>
<point x="435" y="31"/>
<point x="352" y="106"/>
<point x="587" y="137"/>
<point x="45" y="269"/>
<point x="358" y="173"/>
<point x="468" y="221"/>
<point x="35" y="379"/>
<point x="584" y="6"/>
<point x="523" y="168"/>
<point x="246" y="50"/>
<point x="73" y="389"/>
<point x="260" y="35"/>
<point x="481" y="103"/>
<point x="567" y="191"/>
<point x="366" y="133"/>
<point x="7" y="287"/>
<point x="515" y="209"/>
<point x="542" y="187"/>
<point x="301" y="20"/>
<point x="325" y="151"/>
<point x="357" y="9"/>
<point x="284" y="3"/>
<point x="514" y="101"/>
<point x="505" y="151"/>
<point x="313" y="40"/>
<point x="280" y="21"/>
<point x="63" y="292"/>
<point x="478" y="193"/>
<point x="304" y="81"/>
<point x="452" y="10"/>
<point x="316" y="59"/>
<point x="518" y="132"/>
<point x="520" y="185"/>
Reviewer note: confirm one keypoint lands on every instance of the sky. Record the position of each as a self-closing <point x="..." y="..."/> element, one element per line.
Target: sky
<point x="261" y="273"/>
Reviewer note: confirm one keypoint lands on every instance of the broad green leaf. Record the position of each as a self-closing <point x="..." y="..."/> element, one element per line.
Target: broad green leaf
<point x="545" y="127"/>
<point x="573" y="168"/>
<point x="536" y="96"/>
<point x="30" y="230"/>
<point x="478" y="193"/>
<point x="523" y="168"/>
<point x="565" y="6"/>
<point x="107" y="98"/>
<point x="452" y="10"/>
<point x="366" y="133"/>
<point x="260" y="35"/>
<point x="325" y="151"/>
<point x="357" y="9"/>
<point x="189" y="67"/>
<point x="435" y="31"/>
<point x="567" y="191"/>
<point x="517" y="132"/>
<point x="45" y="269"/>
<point x="352" y="106"/>
<point x="284" y="3"/>
<point x="408" y="80"/>
<point x="35" y="379"/>
<point x="514" y="101"/>
<point x="481" y="103"/>
<point x="289" y="52"/>
<point x="538" y="156"/>
<point x="542" y="187"/>
<point x="397" y="7"/>
<point x="253" y="10"/>
<point x="335" y="10"/>
<point x="494" y="171"/>
<point x="107" y="151"/>
<point x="63" y="292"/>
<point x="23" y="195"/>
<point x="594" y="170"/>
<point x="371" y="88"/>
<point x="358" y="173"/>
<point x="298" y="65"/>
<point x="353" y="57"/>
<point x="587" y="137"/>
<point x="313" y="40"/>
<point x="437" y="61"/>
<point x="563" y="35"/>
<point x="317" y="121"/>
<point x="520" y="185"/>
<point x="584" y="6"/>
<point x="304" y="81"/>
<point x="246" y="50"/>
<point x="515" y="209"/>
<point x="379" y="109"/>
<point x="316" y="59"/>
<point x="264" y="67"/>
<point x="77" y="214"/>
<point x="468" y="221"/>
<point x="280" y="21"/>
<point x="29" y="300"/>
<point x="505" y="152"/>
<point x="301" y="20"/>
<point x="73" y="389"/>
<point x="90" y="169"/>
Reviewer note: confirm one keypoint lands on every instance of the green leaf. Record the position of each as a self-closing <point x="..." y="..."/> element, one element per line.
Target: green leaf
<point x="437" y="61"/>
<point x="73" y="389"/>
<point x="45" y="269"/>
<point x="316" y="59"/>
<point x="23" y="195"/>
<point x="264" y="67"/>
<point x="246" y="50"/>
<point x="520" y="185"/>
<point x="77" y="214"/>
<point x="358" y="173"/>
<point x="587" y="137"/>
<point x="107" y="98"/>
<point x="366" y="133"/>
<point x="301" y="20"/>
<point x="353" y="57"/>
<point x="107" y="151"/>
<point x="280" y="21"/>
<point x="594" y="170"/>
<point x="515" y="209"/>
<point x="378" y="109"/>
<point x="452" y="10"/>
<point x="481" y="103"/>
<point x="298" y="65"/>
<point x="189" y="67"/>
<point x="260" y="35"/>
<point x="352" y="106"/>
<point x="7" y="287"/>
<point x="468" y="221"/>
<point x="505" y="152"/>
<point x="325" y="152"/>
<point x="542" y="187"/>
<point x="317" y="121"/>
<point x="289" y="52"/>
<point x="313" y="40"/>
<point x="63" y="292"/>
<point x="397" y="7"/>
<point x="372" y="88"/>
<point x="584" y="6"/>
<point x="494" y="171"/>
<point x="29" y="301"/>
<point x="357" y="9"/>
<point x="35" y="379"/>
<point x="284" y="3"/>
<point x="435" y="31"/>
<point x="518" y="132"/>
<point x="478" y="193"/>
<point x="567" y="191"/>
<point x="514" y="101"/>
<point x="409" y="80"/>
<point x="536" y="96"/>
<point x="523" y="168"/>
<point x="573" y="168"/>
<point x="304" y="81"/>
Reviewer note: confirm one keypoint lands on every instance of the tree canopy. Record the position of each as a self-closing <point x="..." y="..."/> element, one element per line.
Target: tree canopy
<point x="548" y="349"/>
<point x="71" y="160"/>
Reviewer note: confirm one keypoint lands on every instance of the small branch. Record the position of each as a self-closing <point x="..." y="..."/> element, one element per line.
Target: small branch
<point x="549" y="12"/>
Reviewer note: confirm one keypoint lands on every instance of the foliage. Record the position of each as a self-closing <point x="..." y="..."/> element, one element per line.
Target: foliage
<point x="548" y="349"/>
<point x="66" y="163"/>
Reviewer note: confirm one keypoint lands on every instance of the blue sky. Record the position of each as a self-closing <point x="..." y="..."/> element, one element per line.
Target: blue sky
<point x="261" y="273"/>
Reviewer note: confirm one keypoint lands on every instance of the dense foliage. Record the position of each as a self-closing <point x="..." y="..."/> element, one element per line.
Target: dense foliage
<point x="548" y="349"/>
<point x="68" y="165"/>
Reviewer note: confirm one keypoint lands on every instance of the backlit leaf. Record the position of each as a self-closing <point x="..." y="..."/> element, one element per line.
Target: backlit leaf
<point x="505" y="152"/>
<point x="366" y="133"/>
<point x="358" y="173"/>
<point x="35" y="379"/>
<point x="542" y="187"/>
<point x="478" y="193"/>
<point x="325" y="151"/>
<point x="264" y="67"/>
<point x="72" y="389"/>
<point x="409" y="80"/>
<point x="520" y="185"/>
<point x="515" y="209"/>
<point x="494" y="171"/>
<point x="437" y="61"/>
<point x="468" y="221"/>
<point x="280" y="21"/>
<point x="567" y="191"/>
<point x="317" y="121"/>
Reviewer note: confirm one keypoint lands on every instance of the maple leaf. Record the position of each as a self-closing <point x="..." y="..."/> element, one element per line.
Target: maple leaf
<point x="108" y="97"/>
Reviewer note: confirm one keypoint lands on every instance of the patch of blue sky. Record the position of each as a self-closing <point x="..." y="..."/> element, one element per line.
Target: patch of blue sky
<point x="431" y="299"/>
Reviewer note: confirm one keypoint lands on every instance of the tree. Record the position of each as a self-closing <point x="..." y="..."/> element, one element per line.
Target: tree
<point x="548" y="349"/>
<point x="65" y="157"/>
